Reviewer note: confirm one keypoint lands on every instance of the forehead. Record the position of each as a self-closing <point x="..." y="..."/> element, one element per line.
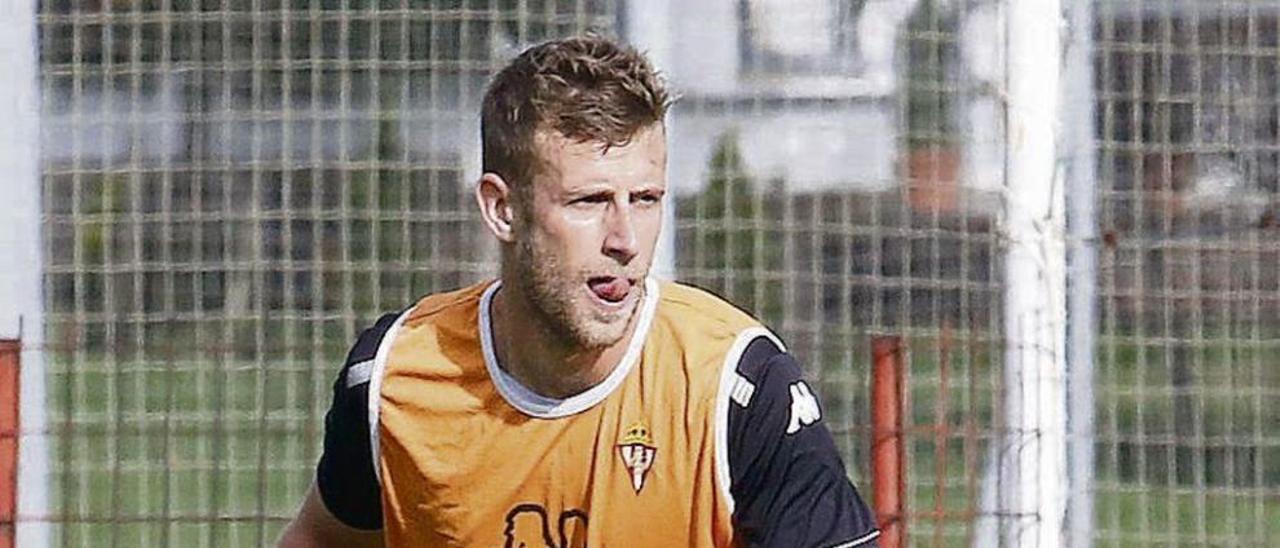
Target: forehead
<point x="566" y="162"/>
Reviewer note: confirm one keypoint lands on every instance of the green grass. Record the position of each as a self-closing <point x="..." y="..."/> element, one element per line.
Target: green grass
<point x="184" y="453"/>
<point x="1125" y="513"/>
<point x="1132" y="515"/>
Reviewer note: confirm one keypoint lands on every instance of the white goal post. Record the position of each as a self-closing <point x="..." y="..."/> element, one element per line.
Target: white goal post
<point x="21" y="295"/>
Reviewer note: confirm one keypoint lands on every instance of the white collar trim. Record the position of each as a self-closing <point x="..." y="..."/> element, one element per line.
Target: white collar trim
<point x="536" y="405"/>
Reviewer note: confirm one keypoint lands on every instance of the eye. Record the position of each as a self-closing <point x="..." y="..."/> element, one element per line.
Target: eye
<point x="647" y="198"/>
<point x="598" y="198"/>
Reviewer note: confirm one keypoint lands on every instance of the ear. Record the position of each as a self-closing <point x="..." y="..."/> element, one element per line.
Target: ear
<point x="494" y="196"/>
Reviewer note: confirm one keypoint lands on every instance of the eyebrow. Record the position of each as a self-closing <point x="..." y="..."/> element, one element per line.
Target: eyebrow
<point x="646" y="188"/>
<point x="587" y="191"/>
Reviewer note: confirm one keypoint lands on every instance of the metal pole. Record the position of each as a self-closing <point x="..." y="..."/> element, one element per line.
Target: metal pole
<point x="888" y="473"/>
<point x="1032" y="449"/>
<point x="10" y="396"/>
<point x="21" y="295"/>
<point x="1078" y="117"/>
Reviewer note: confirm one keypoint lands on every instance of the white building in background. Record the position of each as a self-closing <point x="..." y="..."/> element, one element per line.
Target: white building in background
<point x="112" y="127"/>
<point x="814" y="92"/>
<point x="154" y="127"/>
<point x="810" y="88"/>
<point x="807" y="87"/>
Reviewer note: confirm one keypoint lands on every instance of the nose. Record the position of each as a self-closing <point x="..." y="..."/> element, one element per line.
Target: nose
<point x="620" y="233"/>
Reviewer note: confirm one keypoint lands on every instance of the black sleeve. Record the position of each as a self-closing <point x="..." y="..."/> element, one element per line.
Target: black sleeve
<point x="788" y="482"/>
<point x="345" y="476"/>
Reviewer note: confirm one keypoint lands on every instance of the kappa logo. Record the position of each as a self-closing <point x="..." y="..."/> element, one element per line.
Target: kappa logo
<point x="804" y="407"/>
<point x="638" y="452"/>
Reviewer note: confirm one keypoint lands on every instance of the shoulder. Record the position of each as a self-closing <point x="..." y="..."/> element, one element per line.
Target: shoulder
<point x="714" y="339"/>
<point x="346" y="478"/>
<point x="360" y="357"/>
<point x="427" y="310"/>
<point x="700" y="313"/>
<point x="455" y="304"/>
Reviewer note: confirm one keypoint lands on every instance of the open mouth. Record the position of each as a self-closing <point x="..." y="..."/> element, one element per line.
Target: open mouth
<point x="610" y="289"/>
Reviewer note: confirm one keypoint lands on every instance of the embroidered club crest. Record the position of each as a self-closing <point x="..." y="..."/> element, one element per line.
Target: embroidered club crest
<point x="637" y="451"/>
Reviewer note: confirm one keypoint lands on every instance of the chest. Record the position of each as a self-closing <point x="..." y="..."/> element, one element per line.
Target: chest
<point x="473" y="471"/>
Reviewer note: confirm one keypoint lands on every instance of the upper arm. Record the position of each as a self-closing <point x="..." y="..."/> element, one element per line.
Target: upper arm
<point x="787" y="479"/>
<point x="314" y="526"/>
<point x="346" y="498"/>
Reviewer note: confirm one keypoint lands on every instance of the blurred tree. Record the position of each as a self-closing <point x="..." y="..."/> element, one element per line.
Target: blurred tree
<point x="737" y="245"/>
<point x="932" y="55"/>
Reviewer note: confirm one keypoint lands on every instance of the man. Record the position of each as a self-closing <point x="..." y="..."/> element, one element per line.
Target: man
<point x="576" y="401"/>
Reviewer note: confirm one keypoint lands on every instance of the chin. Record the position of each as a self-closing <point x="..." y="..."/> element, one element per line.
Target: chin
<point x="602" y="336"/>
<point x="596" y="333"/>
<point x="594" y="330"/>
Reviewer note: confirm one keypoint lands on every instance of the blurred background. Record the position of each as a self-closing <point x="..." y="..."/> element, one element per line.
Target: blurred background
<point x="233" y="189"/>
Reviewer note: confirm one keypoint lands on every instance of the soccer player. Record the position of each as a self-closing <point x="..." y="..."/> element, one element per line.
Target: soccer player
<point x="575" y="401"/>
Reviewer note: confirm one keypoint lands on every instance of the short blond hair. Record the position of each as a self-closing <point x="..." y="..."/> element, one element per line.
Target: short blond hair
<point x="586" y="88"/>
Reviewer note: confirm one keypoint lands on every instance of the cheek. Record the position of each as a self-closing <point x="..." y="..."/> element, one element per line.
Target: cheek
<point x="571" y="239"/>
<point x="579" y="221"/>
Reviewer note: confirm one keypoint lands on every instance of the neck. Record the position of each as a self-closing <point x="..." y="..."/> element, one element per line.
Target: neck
<point x="543" y="360"/>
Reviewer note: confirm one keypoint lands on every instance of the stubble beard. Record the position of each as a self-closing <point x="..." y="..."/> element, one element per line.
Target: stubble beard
<point x="557" y="296"/>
